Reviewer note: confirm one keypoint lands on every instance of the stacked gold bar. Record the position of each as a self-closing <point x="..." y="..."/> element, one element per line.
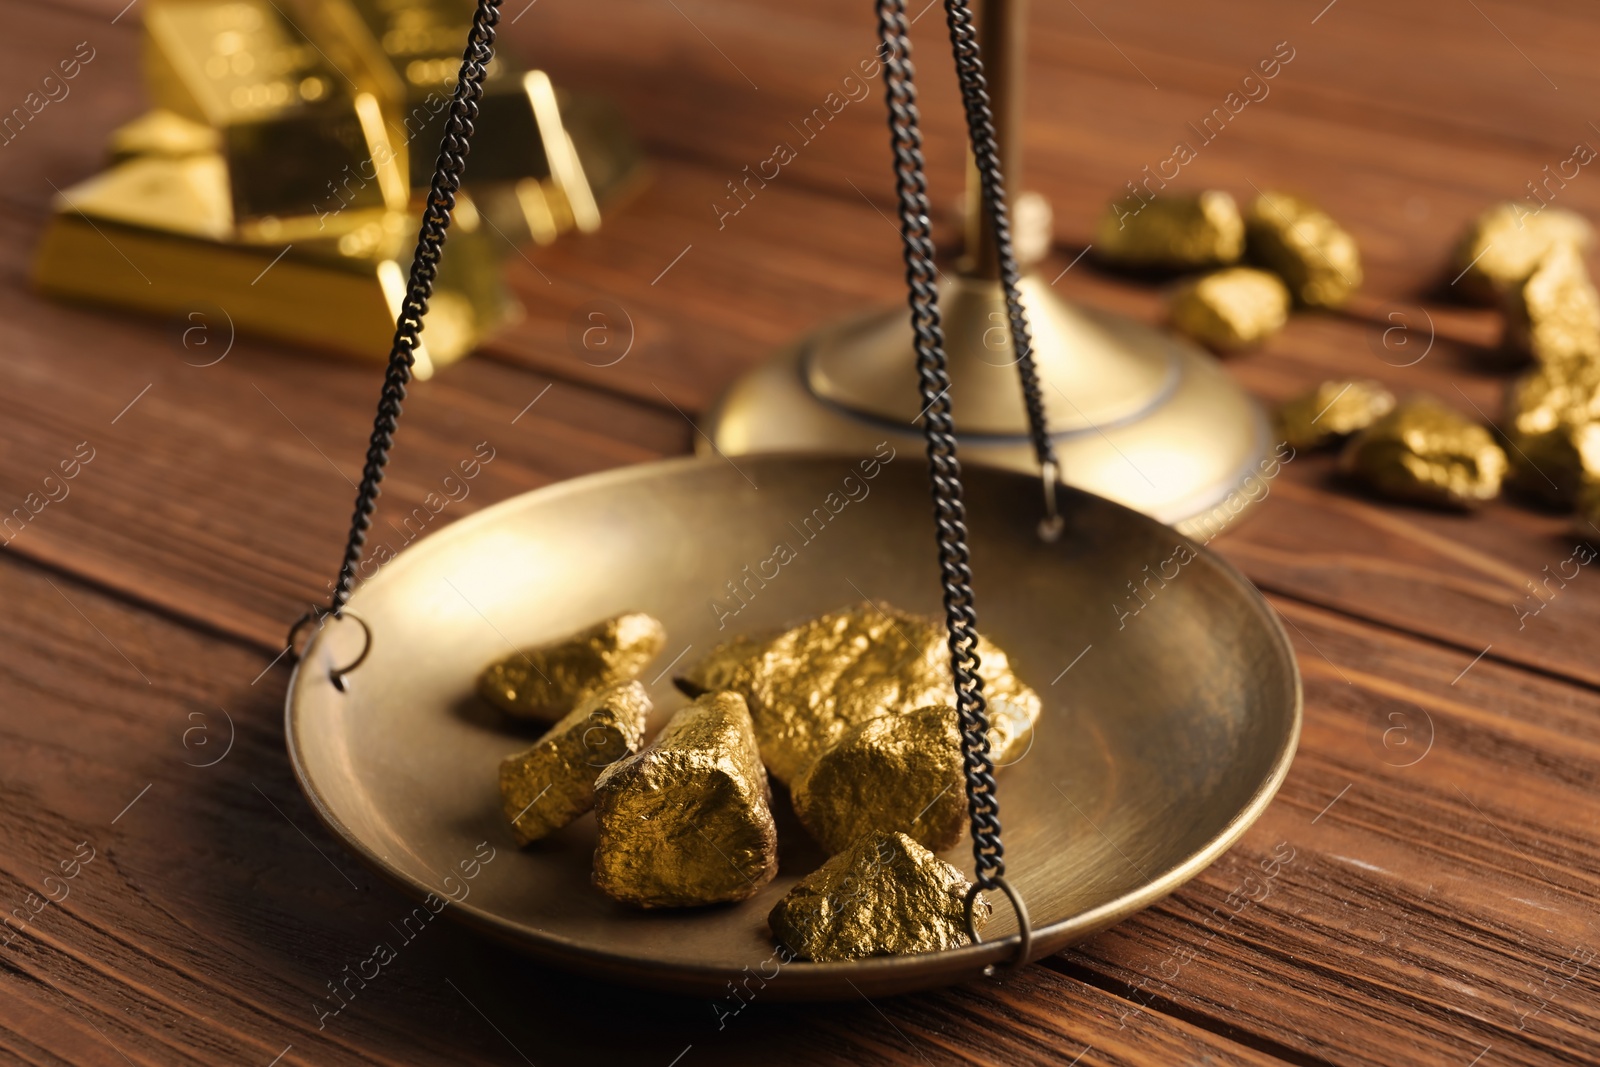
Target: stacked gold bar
<point x="280" y="174"/>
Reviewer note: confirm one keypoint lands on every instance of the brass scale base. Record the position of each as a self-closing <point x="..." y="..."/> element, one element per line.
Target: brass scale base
<point x="1138" y="416"/>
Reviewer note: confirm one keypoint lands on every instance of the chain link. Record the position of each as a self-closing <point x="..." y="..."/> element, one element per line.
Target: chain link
<point x="986" y="154"/>
<point x="441" y="204"/>
<point x="933" y="379"/>
<point x="932" y="372"/>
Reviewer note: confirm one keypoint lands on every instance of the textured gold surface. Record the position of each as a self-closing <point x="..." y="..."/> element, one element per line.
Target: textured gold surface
<point x="1332" y="410"/>
<point x="1503" y="245"/>
<point x="810" y="684"/>
<point x="1553" y="426"/>
<point x="893" y="773"/>
<point x="1426" y="452"/>
<point x="1553" y="314"/>
<point x="689" y="820"/>
<point x="547" y="681"/>
<point x="1198" y="230"/>
<point x="1231" y="309"/>
<point x="548" y="785"/>
<point x="884" y="896"/>
<point x="1298" y="240"/>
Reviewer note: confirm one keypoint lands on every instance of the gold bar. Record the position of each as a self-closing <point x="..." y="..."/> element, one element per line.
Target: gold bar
<point x="154" y="235"/>
<point x="163" y="133"/>
<point x="293" y="127"/>
<point x="409" y="54"/>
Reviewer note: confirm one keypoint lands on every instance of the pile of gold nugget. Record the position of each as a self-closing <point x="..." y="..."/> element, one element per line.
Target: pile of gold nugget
<point x="277" y="180"/>
<point x="851" y="712"/>
<point x="1528" y="263"/>
<point x="1547" y="448"/>
<point x="1297" y="256"/>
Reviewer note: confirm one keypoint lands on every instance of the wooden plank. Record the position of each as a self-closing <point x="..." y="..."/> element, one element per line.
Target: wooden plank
<point x="1430" y="908"/>
<point x="1424" y="887"/>
<point x="206" y="911"/>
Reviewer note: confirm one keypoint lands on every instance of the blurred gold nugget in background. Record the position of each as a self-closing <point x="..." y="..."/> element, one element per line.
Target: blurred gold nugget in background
<point x="1331" y="411"/>
<point x="1425" y="452"/>
<point x="1503" y="245"/>
<point x="1553" y="315"/>
<point x="1173" y="231"/>
<point x="1230" y="309"/>
<point x="1553" y="428"/>
<point x="1302" y="244"/>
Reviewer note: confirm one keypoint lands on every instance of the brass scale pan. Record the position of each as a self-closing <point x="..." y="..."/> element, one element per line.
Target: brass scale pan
<point x="1164" y="733"/>
<point x="1164" y="740"/>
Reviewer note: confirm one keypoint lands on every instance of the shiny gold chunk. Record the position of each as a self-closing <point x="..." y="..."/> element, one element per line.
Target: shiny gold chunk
<point x="1505" y="243"/>
<point x="1426" y="452"/>
<point x="883" y="896"/>
<point x="893" y="773"/>
<point x="688" y="820"/>
<point x="1311" y="252"/>
<point x="547" y="786"/>
<point x="1199" y="230"/>
<point x="550" y="680"/>
<point x="1553" y="429"/>
<point x="809" y="685"/>
<point x="1331" y="411"/>
<point x="1553" y="314"/>
<point x="1231" y="309"/>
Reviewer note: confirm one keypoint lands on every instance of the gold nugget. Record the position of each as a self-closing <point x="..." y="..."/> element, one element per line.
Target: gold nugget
<point x="1198" y="230"/>
<point x="688" y="820"/>
<point x="1331" y="411"/>
<point x="809" y="685"/>
<point x="893" y="773"/>
<point x="1231" y="309"/>
<point x="550" y="680"/>
<point x="1505" y="243"/>
<point x="1553" y="427"/>
<point x="547" y="786"/>
<point x="1424" y="451"/>
<point x="1553" y="314"/>
<point x="1311" y="252"/>
<point x="883" y="896"/>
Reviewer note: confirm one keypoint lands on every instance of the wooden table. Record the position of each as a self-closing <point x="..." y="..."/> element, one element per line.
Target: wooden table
<point x="1440" y="903"/>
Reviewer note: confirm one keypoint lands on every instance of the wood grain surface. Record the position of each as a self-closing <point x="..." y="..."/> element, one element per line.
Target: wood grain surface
<point x="1433" y="854"/>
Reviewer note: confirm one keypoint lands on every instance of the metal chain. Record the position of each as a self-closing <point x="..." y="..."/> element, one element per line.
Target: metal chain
<point x="441" y="204"/>
<point x="986" y="154"/>
<point x="933" y="378"/>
